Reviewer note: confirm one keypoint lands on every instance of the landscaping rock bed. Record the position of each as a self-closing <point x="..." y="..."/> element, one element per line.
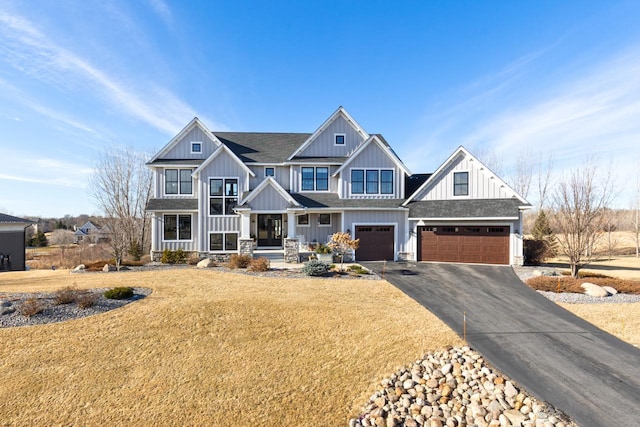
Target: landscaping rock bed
<point x="455" y="387"/>
<point x="11" y="304"/>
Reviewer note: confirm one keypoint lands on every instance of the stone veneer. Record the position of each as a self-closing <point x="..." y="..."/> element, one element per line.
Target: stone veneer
<point x="245" y="246"/>
<point x="291" y="254"/>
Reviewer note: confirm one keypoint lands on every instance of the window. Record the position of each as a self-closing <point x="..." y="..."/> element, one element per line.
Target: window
<point x="339" y="138"/>
<point x="196" y="147"/>
<point x="461" y="183"/>
<point x="177" y="181"/>
<point x="303" y="220"/>
<point x="315" y="179"/>
<point x="357" y="181"/>
<point x="177" y="227"/>
<point x="269" y="171"/>
<point x="372" y="181"/>
<point x="223" y="196"/>
<point x="386" y="182"/>
<point x="324" y="219"/>
<point x="223" y="241"/>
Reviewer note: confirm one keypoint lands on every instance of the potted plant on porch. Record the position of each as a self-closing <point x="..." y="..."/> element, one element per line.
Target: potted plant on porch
<point x="324" y="253"/>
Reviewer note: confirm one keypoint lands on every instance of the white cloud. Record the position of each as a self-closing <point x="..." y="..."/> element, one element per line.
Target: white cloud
<point x="31" y="51"/>
<point x="162" y="10"/>
<point x="22" y="166"/>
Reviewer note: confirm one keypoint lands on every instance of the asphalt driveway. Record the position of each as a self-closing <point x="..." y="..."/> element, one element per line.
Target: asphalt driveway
<point x="560" y="358"/>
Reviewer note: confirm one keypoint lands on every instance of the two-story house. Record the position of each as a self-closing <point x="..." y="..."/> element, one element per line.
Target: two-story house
<point x="215" y="193"/>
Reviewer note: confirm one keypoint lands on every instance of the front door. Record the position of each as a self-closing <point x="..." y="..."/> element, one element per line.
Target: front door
<point x="270" y="230"/>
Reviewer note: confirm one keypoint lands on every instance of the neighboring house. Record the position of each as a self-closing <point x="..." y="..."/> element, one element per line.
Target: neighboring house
<point x="89" y="233"/>
<point x="12" y="242"/>
<point x="214" y="191"/>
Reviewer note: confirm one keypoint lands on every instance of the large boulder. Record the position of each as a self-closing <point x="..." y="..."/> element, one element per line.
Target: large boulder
<point x="80" y="267"/>
<point x="107" y="268"/>
<point x="612" y="291"/>
<point x="594" y="290"/>
<point x="206" y="263"/>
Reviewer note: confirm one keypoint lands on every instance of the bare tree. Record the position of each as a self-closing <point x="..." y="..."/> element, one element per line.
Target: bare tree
<point x="544" y="173"/>
<point x="523" y="172"/>
<point x="62" y="238"/>
<point x="611" y="221"/>
<point x="635" y="216"/>
<point x="490" y="158"/>
<point x="578" y="215"/>
<point x="121" y="186"/>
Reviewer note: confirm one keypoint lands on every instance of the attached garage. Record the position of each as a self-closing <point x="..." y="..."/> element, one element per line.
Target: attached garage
<point x="376" y="242"/>
<point x="467" y="244"/>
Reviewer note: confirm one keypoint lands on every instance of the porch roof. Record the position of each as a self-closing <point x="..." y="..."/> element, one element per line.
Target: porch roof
<point x="331" y="200"/>
<point x="172" y="205"/>
<point x="472" y="208"/>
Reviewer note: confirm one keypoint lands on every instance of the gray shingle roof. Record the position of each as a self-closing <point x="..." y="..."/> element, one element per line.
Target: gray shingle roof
<point x="176" y="162"/>
<point x="4" y="218"/>
<point x="172" y="205"/>
<point x="329" y="200"/>
<point x="262" y="147"/>
<point x="472" y="208"/>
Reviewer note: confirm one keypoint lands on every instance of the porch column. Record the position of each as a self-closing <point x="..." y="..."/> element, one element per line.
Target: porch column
<point x="245" y="225"/>
<point x="291" y="225"/>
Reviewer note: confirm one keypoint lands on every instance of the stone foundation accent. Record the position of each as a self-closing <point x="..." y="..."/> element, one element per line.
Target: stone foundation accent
<point x="518" y="260"/>
<point x="291" y="254"/>
<point x="245" y="246"/>
<point x="406" y="256"/>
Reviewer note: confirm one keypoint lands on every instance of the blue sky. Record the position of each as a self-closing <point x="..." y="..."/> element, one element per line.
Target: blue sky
<point x="77" y="77"/>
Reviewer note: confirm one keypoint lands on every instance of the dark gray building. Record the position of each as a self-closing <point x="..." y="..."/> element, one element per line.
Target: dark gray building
<point x="12" y="242"/>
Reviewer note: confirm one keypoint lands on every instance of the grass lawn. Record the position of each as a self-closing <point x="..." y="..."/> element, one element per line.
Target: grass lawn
<point x="211" y="348"/>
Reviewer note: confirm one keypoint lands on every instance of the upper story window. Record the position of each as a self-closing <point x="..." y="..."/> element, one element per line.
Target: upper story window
<point x="461" y="183"/>
<point x="339" y="138"/>
<point x="223" y="196"/>
<point x="269" y="171"/>
<point x="177" y="181"/>
<point x="177" y="227"/>
<point x="371" y="181"/>
<point x="315" y="179"/>
<point x="196" y="147"/>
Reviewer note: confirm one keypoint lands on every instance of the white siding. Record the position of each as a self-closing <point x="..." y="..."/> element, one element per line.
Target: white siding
<point x="317" y="232"/>
<point x="269" y="200"/>
<point x="282" y="176"/>
<point x="182" y="150"/>
<point x="158" y="229"/>
<point x="324" y="145"/>
<point x="483" y="184"/>
<point x="373" y="157"/>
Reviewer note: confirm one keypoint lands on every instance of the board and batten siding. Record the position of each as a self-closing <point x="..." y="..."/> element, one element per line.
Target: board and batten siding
<point x="372" y="157"/>
<point x="185" y="245"/>
<point x="182" y="150"/>
<point x="398" y="218"/>
<point x="296" y="179"/>
<point x="221" y="224"/>
<point x="282" y="176"/>
<point x="317" y="232"/>
<point x="324" y="146"/>
<point x="483" y="184"/>
<point x="269" y="200"/>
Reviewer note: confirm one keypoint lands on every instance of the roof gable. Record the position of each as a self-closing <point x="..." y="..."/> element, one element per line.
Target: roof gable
<point x="269" y="183"/>
<point x="492" y="186"/>
<point x="385" y="149"/>
<point x="194" y="123"/>
<point x="339" y="115"/>
<point x="222" y="149"/>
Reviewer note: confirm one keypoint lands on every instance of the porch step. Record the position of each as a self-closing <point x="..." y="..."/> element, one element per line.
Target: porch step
<point x="273" y="255"/>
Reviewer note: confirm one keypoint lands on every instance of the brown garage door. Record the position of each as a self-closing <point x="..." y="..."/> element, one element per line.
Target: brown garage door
<point x="376" y="242"/>
<point x="473" y="244"/>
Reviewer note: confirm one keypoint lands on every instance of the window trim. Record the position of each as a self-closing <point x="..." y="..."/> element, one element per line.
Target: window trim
<point x="308" y="224"/>
<point x="455" y="185"/>
<point x="364" y="171"/>
<point x="193" y="144"/>
<point x="224" y="197"/>
<point x="335" y="139"/>
<point x="266" y="168"/>
<point x="315" y="179"/>
<point x="224" y="242"/>
<point x="324" y="225"/>
<point x="177" y="216"/>
<point x="179" y="193"/>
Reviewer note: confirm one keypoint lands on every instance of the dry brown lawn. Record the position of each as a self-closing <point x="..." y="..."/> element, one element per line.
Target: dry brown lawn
<point x="211" y="348"/>
<point x="620" y="320"/>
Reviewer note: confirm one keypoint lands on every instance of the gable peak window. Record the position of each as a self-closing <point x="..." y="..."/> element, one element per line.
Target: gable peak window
<point x="178" y="181"/>
<point x="196" y="147"/>
<point x="461" y="183"/>
<point x="269" y="171"/>
<point x="339" y="138"/>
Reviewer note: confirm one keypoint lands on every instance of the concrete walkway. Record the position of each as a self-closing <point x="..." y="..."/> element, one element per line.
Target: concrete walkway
<point x="560" y="358"/>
